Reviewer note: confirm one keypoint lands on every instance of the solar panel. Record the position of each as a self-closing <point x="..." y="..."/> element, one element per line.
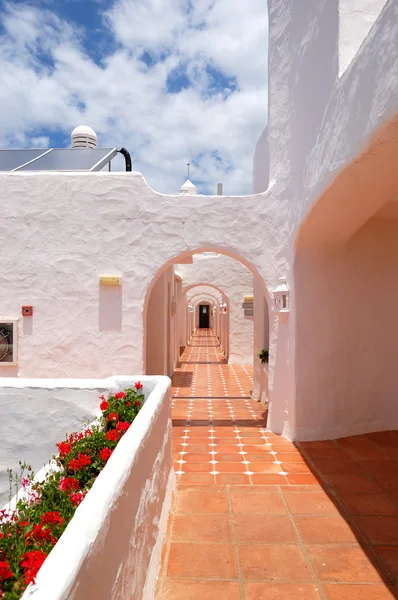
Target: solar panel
<point x="11" y="159"/>
<point x="58" y="159"/>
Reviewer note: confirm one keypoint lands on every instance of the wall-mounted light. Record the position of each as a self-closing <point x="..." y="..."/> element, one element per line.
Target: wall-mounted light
<point x="223" y="309"/>
<point x="281" y="298"/>
<point x="110" y="280"/>
<point x="190" y="308"/>
<point x="248" y="306"/>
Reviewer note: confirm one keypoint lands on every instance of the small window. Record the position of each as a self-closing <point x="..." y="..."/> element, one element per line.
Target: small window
<point x="8" y="342"/>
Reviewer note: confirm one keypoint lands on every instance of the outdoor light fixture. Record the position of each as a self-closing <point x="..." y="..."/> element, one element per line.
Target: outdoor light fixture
<point x="190" y="308"/>
<point x="281" y="298"/>
<point x="223" y="309"/>
<point x="248" y="306"/>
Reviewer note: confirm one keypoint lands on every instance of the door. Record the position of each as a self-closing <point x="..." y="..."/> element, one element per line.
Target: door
<point x="204" y="316"/>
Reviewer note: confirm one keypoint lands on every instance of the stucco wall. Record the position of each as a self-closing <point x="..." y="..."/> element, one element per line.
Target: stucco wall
<point x="111" y="549"/>
<point x="235" y="281"/>
<point x="346" y="367"/>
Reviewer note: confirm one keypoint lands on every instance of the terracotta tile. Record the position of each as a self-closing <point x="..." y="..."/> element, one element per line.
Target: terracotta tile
<point x="337" y="467"/>
<point x="174" y="589"/>
<point x="267" y="478"/>
<point x="201" y="528"/>
<point x="274" y="563"/>
<point x="230" y="467"/>
<point x="195" y="441"/>
<point x="325" y="530"/>
<point x="207" y="561"/>
<point x="290" y="457"/>
<point x="263" y="529"/>
<point x="368" y="504"/>
<point x="306" y="489"/>
<point x="195" y="448"/>
<point x="285" y="449"/>
<point x="229" y="457"/>
<point x="281" y="591"/>
<point x="343" y="564"/>
<point x="197" y="478"/>
<point x="319" y="444"/>
<point x="257" y="448"/>
<point x="227" y="449"/>
<point x="202" y="457"/>
<point x="263" y="457"/>
<point x="325" y="452"/>
<point x="379" y="530"/>
<point x="203" y="467"/>
<point x="196" y="500"/>
<point x="232" y="478"/>
<point x="253" y="500"/>
<point x="358" y="592"/>
<point x="313" y="503"/>
<point x="353" y="483"/>
<point x="295" y="468"/>
<point x="301" y="479"/>
<point x="265" y="467"/>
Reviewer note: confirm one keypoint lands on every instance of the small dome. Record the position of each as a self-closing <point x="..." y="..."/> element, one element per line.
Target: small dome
<point x="83" y="137"/>
<point x="188" y="188"/>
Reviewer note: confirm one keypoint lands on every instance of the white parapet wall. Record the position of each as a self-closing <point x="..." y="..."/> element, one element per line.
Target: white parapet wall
<point x="111" y="548"/>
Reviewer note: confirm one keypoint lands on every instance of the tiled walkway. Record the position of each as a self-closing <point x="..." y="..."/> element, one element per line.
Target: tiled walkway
<point x="256" y="517"/>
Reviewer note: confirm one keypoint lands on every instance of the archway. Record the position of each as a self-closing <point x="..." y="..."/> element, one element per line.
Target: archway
<point x="161" y="286"/>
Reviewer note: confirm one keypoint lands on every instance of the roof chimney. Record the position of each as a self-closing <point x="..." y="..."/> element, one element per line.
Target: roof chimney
<point x="219" y="189"/>
<point x="84" y="137"/>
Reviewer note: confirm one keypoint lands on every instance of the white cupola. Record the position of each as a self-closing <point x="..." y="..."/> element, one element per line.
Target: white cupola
<point x="188" y="189"/>
<point x="84" y="137"/>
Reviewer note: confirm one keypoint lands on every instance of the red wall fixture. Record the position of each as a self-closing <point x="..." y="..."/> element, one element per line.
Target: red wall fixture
<point x="27" y="311"/>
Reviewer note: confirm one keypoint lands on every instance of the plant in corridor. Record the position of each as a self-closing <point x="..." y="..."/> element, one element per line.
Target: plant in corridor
<point x="28" y="533"/>
<point x="263" y="356"/>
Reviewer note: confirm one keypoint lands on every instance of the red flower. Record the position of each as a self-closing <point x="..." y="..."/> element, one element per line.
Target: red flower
<point x="23" y="523"/>
<point x="78" y="463"/>
<point x="104" y="405"/>
<point x="122" y="426"/>
<point x="137" y="403"/>
<point x="113" y="435"/>
<point x="113" y="417"/>
<point x="76" y="498"/>
<point x="38" y="533"/>
<point x="102" y="397"/>
<point x="64" y="448"/>
<point x="68" y="483"/>
<point x="138" y="385"/>
<point x="31" y="563"/>
<point x="52" y="517"/>
<point x="105" y="454"/>
<point x="120" y="395"/>
<point x="5" y="571"/>
<point x="128" y="403"/>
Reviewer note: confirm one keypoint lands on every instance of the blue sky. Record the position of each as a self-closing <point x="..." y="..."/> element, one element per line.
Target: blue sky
<point x="172" y="80"/>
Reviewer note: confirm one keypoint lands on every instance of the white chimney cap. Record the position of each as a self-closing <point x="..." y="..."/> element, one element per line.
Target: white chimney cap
<point x="188" y="188"/>
<point x="83" y="137"/>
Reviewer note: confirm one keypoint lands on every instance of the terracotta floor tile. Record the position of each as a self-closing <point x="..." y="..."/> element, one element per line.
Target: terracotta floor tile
<point x="194" y="448"/>
<point x="263" y="529"/>
<point x="379" y="530"/>
<point x="325" y="530"/>
<point x="174" y="589"/>
<point x="210" y="561"/>
<point x="343" y="564"/>
<point x="302" y="478"/>
<point x="201" y="528"/>
<point x="196" y="467"/>
<point x="281" y="591"/>
<point x="197" y="457"/>
<point x="197" y="478"/>
<point x="267" y="478"/>
<point x="353" y="483"/>
<point x="274" y="563"/>
<point x="254" y="500"/>
<point x="195" y="500"/>
<point x="232" y="478"/>
<point x="313" y="503"/>
<point x="295" y="468"/>
<point x="227" y="449"/>
<point x="265" y="467"/>
<point x="263" y="457"/>
<point x="358" y="592"/>
<point x="337" y="467"/>
<point x="230" y="467"/>
<point x="368" y="504"/>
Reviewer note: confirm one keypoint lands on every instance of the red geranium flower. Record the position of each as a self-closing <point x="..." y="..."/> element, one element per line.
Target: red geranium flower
<point x="120" y="395"/>
<point x="78" y="463"/>
<point x="23" y="523"/>
<point x="31" y="563"/>
<point x="105" y="454"/>
<point x="122" y="426"/>
<point x="64" y="448"/>
<point x="104" y="405"/>
<point x="52" y="517"/>
<point x="113" y="417"/>
<point x="128" y="403"/>
<point x="137" y="403"/>
<point x="76" y="498"/>
<point x="5" y="571"/>
<point x="113" y="435"/>
<point x="68" y="483"/>
<point x="138" y="385"/>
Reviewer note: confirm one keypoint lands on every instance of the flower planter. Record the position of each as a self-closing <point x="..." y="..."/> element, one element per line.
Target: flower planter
<point x="111" y="547"/>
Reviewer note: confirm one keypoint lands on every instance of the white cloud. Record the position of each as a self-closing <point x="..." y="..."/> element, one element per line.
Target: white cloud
<point x="48" y="83"/>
